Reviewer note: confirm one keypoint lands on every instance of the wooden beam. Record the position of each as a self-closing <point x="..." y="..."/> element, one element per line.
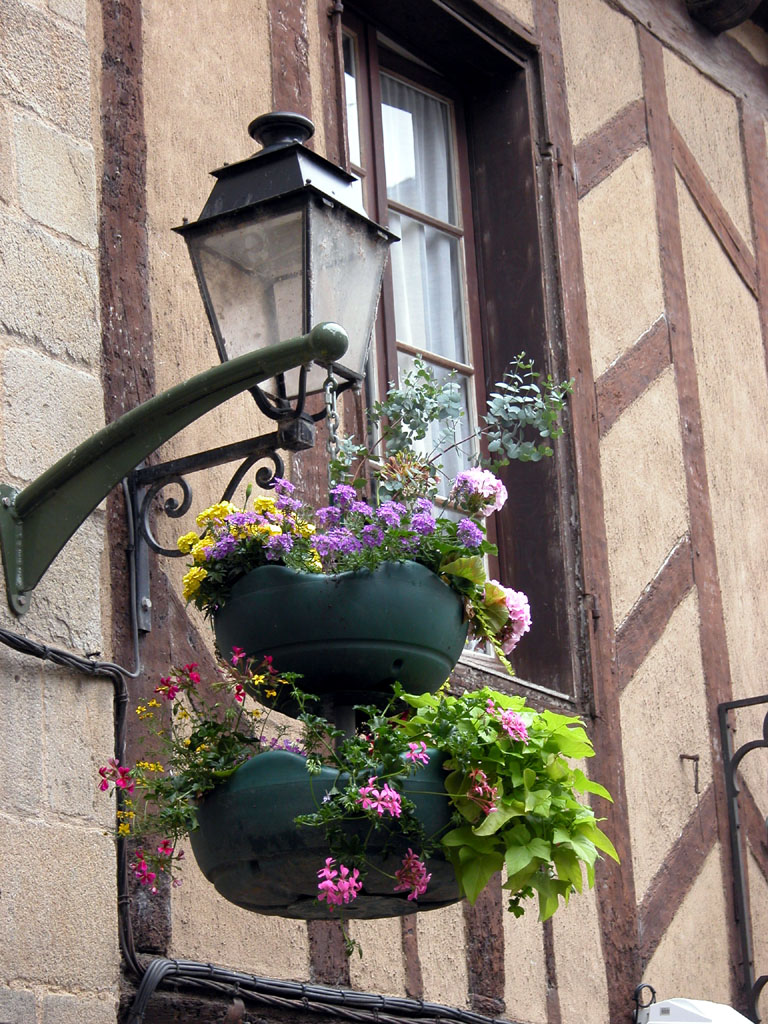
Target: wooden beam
<point x="608" y="147"/>
<point x="756" y="163"/>
<point x="677" y="875"/>
<point x="414" y="982"/>
<point x="716" y="215"/>
<point x="484" y="926"/>
<point x="648" y="619"/>
<point x="632" y="374"/>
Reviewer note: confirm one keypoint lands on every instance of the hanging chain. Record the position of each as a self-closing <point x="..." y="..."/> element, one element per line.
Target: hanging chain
<point x="332" y="417"/>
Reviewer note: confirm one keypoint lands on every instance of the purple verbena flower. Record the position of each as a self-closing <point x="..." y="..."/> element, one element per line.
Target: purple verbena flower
<point x="283" y="486"/>
<point x="372" y="536"/>
<point x="225" y="546"/>
<point x="278" y="545"/>
<point x="361" y="508"/>
<point x="391" y="513"/>
<point x="423" y="523"/>
<point x="329" y="515"/>
<point x="469" y="534"/>
<point x="343" y="495"/>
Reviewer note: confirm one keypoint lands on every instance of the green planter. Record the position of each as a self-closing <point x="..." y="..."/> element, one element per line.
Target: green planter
<point x="350" y="635"/>
<point x="248" y="846"/>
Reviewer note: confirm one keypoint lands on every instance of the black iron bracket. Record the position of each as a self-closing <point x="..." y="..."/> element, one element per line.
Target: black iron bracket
<point x="731" y="761"/>
<point x="146" y="483"/>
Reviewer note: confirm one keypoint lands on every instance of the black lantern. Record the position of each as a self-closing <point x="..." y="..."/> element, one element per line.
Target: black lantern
<point x="283" y="244"/>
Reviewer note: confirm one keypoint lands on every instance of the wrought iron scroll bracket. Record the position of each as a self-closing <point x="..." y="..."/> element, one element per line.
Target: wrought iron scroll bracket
<point x="731" y="761"/>
<point x="146" y="483"/>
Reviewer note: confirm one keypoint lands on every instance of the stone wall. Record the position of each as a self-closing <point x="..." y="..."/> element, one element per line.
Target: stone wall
<point x="58" y="924"/>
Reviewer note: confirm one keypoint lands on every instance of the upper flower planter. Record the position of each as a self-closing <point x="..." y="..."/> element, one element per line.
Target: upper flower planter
<point x="353" y="634"/>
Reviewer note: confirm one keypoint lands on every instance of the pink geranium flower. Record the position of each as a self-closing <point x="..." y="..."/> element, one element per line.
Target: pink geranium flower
<point x="417" y="752"/>
<point x="412" y="875"/>
<point x="338" y="887"/>
<point x="384" y="801"/>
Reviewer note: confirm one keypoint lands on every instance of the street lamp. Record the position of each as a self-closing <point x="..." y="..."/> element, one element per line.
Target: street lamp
<point x="282" y="244"/>
<point x="281" y="250"/>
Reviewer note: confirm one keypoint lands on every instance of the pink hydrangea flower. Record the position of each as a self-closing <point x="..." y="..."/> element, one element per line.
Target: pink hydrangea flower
<point x="417" y="752"/>
<point x="479" y="490"/>
<point x="338" y="887"/>
<point x="519" y="621"/>
<point x="384" y="801"/>
<point x="412" y="875"/>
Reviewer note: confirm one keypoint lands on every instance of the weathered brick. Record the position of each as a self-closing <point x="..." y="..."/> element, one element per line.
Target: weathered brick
<point x="7" y="180"/>
<point x="17" y="1006"/>
<point x="21" y="753"/>
<point x="49" y="292"/>
<point x="79" y="733"/>
<point x="58" y="925"/>
<point x="44" y="67"/>
<point x="39" y="427"/>
<point x="56" y="179"/>
<point x="66" y="1009"/>
<point x="72" y="10"/>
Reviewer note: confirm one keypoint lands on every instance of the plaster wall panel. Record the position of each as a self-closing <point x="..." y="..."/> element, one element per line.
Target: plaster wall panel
<point x="600" y="79"/>
<point x="644" y="491"/>
<point x="758" y="913"/>
<point x="442" y="956"/>
<point x="664" y="715"/>
<point x="521" y="9"/>
<point x="622" y="274"/>
<point x="753" y="39"/>
<point x="207" y="927"/>
<point x="71" y="864"/>
<point x="692" y="958"/>
<point x="733" y="392"/>
<point x="708" y="119"/>
<point x="198" y="102"/>
<point x="7" y="163"/>
<point x="579" y="955"/>
<point x="382" y="966"/>
<point x="525" y="969"/>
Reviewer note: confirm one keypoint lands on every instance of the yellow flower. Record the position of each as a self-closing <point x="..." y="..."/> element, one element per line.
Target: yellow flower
<point x="270" y="693"/>
<point x="141" y="710"/>
<point x="182" y="713"/>
<point x="314" y="562"/>
<point x="187" y="542"/>
<point x="262" y="505"/>
<point x="199" y="552"/>
<point x="216" y="513"/>
<point x="187" y="741"/>
<point x="192" y="581"/>
<point x="123" y="829"/>
<point x="154" y="703"/>
<point x="302" y="528"/>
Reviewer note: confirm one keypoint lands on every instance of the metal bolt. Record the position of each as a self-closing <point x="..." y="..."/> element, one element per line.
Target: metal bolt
<point x="22" y="600"/>
<point x="146" y="604"/>
<point x="6" y="502"/>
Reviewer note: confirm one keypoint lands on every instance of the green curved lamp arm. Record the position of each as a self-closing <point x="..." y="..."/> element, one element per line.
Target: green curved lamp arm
<point x="37" y="522"/>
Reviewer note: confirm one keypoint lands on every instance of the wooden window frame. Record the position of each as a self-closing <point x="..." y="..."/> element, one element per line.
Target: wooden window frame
<point x="493" y="77"/>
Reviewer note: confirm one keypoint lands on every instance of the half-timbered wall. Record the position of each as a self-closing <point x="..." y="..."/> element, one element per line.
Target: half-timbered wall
<point x="652" y="158"/>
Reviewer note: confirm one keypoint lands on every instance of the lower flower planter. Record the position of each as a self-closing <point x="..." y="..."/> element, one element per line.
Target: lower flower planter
<point x="351" y="635"/>
<point x="249" y="848"/>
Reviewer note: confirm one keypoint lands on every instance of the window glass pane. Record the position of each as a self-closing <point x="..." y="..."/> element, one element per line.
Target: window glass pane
<point x="350" y="90"/>
<point x="427" y="280"/>
<point x="439" y="436"/>
<point x="418" y="149"/>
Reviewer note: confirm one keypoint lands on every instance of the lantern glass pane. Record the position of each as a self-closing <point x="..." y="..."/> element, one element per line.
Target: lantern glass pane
<point x="347" y="258"/>
<point x="253" y="274"/>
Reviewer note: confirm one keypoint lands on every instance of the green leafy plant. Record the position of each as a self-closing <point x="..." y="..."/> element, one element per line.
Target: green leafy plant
<point x="513" y="788"/>
<point x="516" y="799"/>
